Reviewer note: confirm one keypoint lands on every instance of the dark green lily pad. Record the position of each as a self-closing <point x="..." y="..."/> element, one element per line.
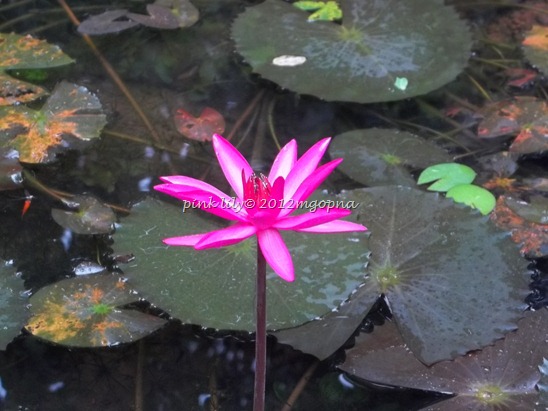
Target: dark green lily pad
<point x="216" y="288"/>
<point x="382" y="156"/>
<point x="72" y="114"/>
<point x="382" y="51"/>
<point x="87" y="312"/>
<point x="453" y="281"/>
<point x="543" y="383"/>
<point x="25" y="52"/>
<point x="92" y="217"/>
<point x="13" y="304"/>
<point x="501" y="377"/>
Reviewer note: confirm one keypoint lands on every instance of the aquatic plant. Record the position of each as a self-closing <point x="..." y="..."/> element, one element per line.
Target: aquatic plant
<point x="382" y="50"/>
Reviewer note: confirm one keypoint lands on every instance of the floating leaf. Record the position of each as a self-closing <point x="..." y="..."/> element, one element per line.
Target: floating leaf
<point x="532" y="237"/>
<point x="422" y="41"/>
<point x="441" y="267"/>
<point x="216" y="288"/>
<point x="535" y="47"/>
<point x="323" y="11"/>
<point x="92" y="216"/>
<point x="448" y="175"/>
<point x="199" y="128"/>
<point x="501" y="377"/>
<point x="25" y="52"/>
<point x="183" y="10"/>
<point x="536" y="211"/>
<point x="380" y="156"/>
<point x="86" y="312"/>
<point x="159" y="17"/>
<point x="473" y="196"/>
<point x="71" y="111"/>
<point x="13" y="304"/>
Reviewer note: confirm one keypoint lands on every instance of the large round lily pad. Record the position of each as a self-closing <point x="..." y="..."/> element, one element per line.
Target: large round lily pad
<point x="378" y="156"/>
<point x="382" y="51"/>
<point x="216" y="288"/>
<point x="453" y="281"/>
<point x="13" y="304"/>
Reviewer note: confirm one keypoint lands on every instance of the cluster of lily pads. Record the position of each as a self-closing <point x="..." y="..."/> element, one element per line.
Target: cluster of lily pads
<point x="454" y="282"/>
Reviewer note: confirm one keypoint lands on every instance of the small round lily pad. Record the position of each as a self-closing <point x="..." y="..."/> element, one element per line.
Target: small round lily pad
<point x="92" y="217"/>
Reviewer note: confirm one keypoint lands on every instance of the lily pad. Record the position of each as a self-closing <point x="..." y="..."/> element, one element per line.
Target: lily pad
<point x="71" y="111"/>
<point x="25" y="52"/>
<point x="535" y="47"/>
<point x="87" y="312"/>
<point x="92" y="216"/>
<point x="454" y="282"/>
<point x="446" y="176"/>
<point x="500" y="377"/>
<point x="361" y="59"/>
<point x="216" y="288"/>
<point x="382" y="156"/>
<point x="473" y="196"/>
<point x="13" y="304"/>
<point x="199" y="128"/>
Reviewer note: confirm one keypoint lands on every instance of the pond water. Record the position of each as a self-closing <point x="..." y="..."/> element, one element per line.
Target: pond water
<point x="184" y="366"/>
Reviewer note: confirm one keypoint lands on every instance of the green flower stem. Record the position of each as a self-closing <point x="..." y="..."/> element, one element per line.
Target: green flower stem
<point x="260" y="334"/>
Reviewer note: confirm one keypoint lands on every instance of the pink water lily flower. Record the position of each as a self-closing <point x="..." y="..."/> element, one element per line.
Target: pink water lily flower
<point x="262" y="205"/>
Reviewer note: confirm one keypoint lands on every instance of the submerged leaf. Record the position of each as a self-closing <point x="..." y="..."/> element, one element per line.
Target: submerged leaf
<point x="71" y="111"/>
<point x="535" y="47"/>
<point x="112" y="21"/>
<point x="381" y="156"/>
<point x="199" y="128"/>
<point x="25" y="52"/>
<point x="10" y="170"/>
<point x="422" y="41"/>
<point x="531" y="236"/>
<point x="92" y="216"/>
<point x="500" y="377"/>
<point x="86" y="312"/>
<point x="441" y="267"/>
<point x="216" y="288"/>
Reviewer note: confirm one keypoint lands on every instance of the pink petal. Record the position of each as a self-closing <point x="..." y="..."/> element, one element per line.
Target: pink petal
<point x="232" y="163"/>
<point x="305" y="166"/>
<point x="319" y="216"/>
<point x="284" y="161"/>
<point x="276" y="253"/>
<point x="339" y="226"/>
<point x="310" y="184"/>
<point x="187" y="240"/>
<point x="224" y="206"/>
<point x="226" y="236"/>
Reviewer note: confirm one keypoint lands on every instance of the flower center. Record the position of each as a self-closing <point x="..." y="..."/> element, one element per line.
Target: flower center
<point x="256" y="190"/>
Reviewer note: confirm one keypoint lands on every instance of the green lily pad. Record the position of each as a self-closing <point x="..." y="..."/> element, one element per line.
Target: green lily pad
<point x="446" y="176"/>
<point x="359" y="60"/>
<point x="499" y="377"/>
<point x="71" y="111"/>
<point x="92" y="216"/>
<point x="473" y="196"/>
<point x="25" y="52"/>
<point x="216" y="288"/>
<point x="453" y="281"/>
<point x="381" y="156"/>
<point x="13" y="304"/>
<point x="87" y="312"/>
